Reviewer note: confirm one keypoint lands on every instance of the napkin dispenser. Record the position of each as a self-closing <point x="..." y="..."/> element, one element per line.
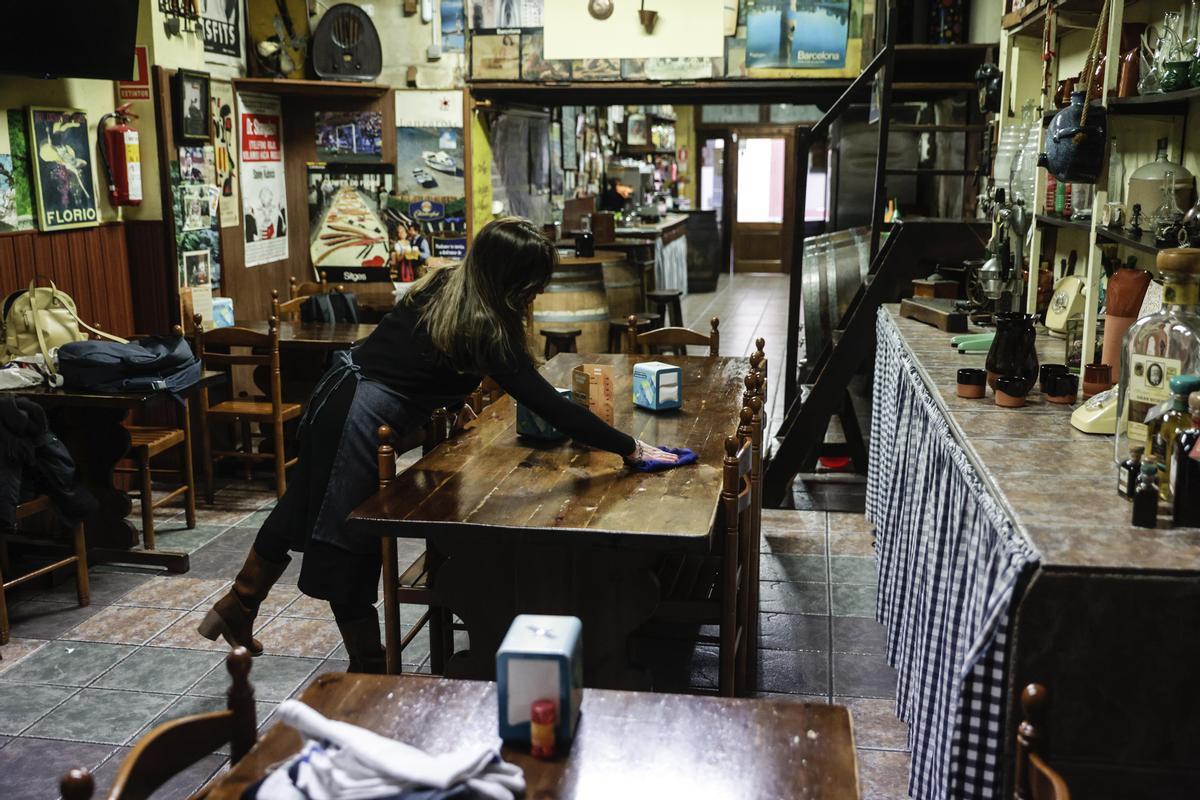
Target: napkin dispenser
<point x="531" y="425"/>
<point x="222" y="312"/>
<point x="541" y="658"/>
<point x="657" y="386"/>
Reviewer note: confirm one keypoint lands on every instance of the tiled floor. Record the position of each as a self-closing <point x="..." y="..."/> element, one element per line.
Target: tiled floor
<point x="79" y="686"/>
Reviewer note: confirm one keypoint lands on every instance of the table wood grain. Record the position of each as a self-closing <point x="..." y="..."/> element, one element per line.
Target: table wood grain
<point x="628" y="744"/>
<point x="488" y="478"/>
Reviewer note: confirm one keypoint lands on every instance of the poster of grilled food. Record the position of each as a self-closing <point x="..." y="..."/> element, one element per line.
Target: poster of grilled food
<point x="346" y="205"/>
<point x="62" y="169"/>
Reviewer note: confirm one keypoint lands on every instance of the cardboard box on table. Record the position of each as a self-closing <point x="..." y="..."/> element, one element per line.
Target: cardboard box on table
<point x="592" y="386"/>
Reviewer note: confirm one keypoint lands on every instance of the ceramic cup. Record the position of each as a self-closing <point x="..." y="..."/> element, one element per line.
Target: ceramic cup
<point x="1011" y="391"/>
<point x="1046" y="372"/>
<point x="1062" y="388"/>
<point x="972" y="383"/>
<point x="1096" y="378"/>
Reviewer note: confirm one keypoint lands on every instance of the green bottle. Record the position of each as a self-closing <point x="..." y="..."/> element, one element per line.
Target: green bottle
<point x="1164" y="428"/>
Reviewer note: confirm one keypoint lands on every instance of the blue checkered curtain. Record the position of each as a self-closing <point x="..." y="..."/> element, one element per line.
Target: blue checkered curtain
<point x="949" y="559"/>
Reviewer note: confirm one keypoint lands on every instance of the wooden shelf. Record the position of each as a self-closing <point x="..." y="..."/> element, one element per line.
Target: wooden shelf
<point x="1164" y="104"/>
<point x="698" y="92"/>
<point x="288" y="86"/>
<point x="1061" y="222"/>
<point x="1119" y="236"/>
<point x="1072" y="15"/>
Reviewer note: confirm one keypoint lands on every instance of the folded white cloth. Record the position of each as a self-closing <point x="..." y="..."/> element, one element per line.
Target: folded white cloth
<point x="341" y="761"/>
<point x="25" y="371"/>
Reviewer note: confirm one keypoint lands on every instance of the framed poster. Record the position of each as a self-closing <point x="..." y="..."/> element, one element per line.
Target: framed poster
<point x="192" y="111"/>
<point x="221" y="21"/>
<point x="224" y="128"/>
<point x="264" y="196"/>
<point x="16" y="205"/>
<point x="346" y="205"/>
<point x="430" y="161"/>
<point x="196" y="268"/>
<point x="64" y="187"/>
<point x="635" y="131"/>
<point x="349" y="135"/>
<point x="496" y="56"/>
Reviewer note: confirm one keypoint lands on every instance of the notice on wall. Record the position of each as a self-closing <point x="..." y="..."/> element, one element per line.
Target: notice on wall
<point x="264" y="200"/>
<point x="225" y="141"/>
<point x="222" y="26"/>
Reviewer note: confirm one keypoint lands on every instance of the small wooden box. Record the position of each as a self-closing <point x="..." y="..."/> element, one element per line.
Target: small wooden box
<point x="924" y="287"/>
<point x="592" y="386"/>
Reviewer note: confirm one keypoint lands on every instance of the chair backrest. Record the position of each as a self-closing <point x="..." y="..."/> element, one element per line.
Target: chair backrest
<point x="174" y="746"/>
<point x="264" y="351"/>
<point x="1034" y="778"/>
<point x="661" y="338"/>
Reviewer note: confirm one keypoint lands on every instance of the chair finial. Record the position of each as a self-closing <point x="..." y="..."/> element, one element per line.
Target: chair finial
<point x="384" y="433"/>
<point x="238" y="664"/>
<point x="715" y="323"/>
<point x="198" y="322"/>
<point x="747" y="415"/>
<point x="77" y="784"/>
<point x="731" y="446"/>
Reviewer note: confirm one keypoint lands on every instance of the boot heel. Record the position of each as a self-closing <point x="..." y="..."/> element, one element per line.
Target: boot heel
<point x="212" y="626"/>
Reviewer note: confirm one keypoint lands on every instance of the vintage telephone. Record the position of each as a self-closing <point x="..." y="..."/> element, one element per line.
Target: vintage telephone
<point x="1067" y="300"/>
<point x="1098" y="414"/>
<point x="120" y="151"/>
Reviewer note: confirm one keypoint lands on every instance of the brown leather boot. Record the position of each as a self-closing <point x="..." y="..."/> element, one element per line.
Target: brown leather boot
<point x="233" y="615"/>
<point x="364" y="645"/>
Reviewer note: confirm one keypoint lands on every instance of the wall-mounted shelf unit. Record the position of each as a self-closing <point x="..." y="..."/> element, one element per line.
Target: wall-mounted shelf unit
<point x="288" y="86"/>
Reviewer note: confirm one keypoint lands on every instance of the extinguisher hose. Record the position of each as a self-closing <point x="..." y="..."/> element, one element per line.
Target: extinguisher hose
<point x="102" y="146"/>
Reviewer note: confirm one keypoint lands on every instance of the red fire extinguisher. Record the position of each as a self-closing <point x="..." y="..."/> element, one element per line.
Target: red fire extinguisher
<point x="120" y="152"/>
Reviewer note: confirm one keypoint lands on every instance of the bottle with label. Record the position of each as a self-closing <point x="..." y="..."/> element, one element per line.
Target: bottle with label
<point x="1145" y="498"/>
<point x="1158" y="347"/>
<point x="1185" y="470"/>
<point x="1162" y="428"/>
<point x="1128" y="471"/>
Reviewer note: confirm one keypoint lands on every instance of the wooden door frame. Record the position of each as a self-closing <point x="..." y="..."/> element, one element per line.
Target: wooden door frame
<point x="732" y="133"/>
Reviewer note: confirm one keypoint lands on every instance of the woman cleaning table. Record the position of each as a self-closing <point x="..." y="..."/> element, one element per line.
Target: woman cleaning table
<point x="454" y="326"/>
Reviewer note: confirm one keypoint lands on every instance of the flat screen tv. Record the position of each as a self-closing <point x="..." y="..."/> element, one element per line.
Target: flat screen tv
<point x="69" y="38"/>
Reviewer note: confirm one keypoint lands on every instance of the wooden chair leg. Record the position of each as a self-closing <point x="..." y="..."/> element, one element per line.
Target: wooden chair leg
<point x="280" y="459"/>
<point x="391" y="605"/>
<point x="206" y="446"/>
<point x="143" y="461"/>
<point x="3" y="613"/>
<point x="441" y="636"/>
<point x="83" y="589"/>
<point x="189" y="476"/>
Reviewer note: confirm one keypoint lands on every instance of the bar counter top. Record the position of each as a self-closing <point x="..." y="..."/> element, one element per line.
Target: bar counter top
<point x="1056" y="484"/>
<point x="664" y="223"/>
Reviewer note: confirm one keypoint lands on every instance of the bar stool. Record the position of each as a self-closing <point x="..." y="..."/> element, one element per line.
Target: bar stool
<point x="560" y="340"/>
<point x="618" y="329"/>
<point x="666" y="302"/>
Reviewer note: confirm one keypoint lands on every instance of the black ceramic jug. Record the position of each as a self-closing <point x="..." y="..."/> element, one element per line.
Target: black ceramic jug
<point x="1077" y="161"/>
<point x="1013" y="351"/>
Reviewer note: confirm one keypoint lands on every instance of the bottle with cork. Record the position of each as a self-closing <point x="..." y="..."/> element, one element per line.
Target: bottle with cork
<point x="1185" y="470"/>
<point x="1145" y="499"/>
<point x="1165" y="423"/>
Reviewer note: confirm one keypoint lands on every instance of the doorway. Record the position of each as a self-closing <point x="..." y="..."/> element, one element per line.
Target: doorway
<point x="758" y="224"/>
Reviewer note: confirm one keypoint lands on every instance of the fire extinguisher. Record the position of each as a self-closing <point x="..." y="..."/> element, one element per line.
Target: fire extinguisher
<point x="120" y="152"/>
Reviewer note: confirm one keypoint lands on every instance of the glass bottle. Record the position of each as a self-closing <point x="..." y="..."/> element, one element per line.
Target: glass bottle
<point x="1162" y="428"/>
<point x="1146" y="182"/>
<point x="1128" y="472"/>
<point x="1145" y="498"/>
<point x="1159" y="346"/>
<point x="1116" y="173"/>
<point x="1168" y="212"/>
<point x="1185" y="470"/>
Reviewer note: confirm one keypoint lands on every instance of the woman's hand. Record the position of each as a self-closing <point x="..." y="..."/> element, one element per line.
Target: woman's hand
<point x="647" y="458"/>
<point x="646" y="452"/>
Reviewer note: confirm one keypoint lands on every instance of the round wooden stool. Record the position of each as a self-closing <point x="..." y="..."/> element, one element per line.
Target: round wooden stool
<point x="619" y="326"/>
<point x="667" y="303"/>
<point x="560" y="340"/>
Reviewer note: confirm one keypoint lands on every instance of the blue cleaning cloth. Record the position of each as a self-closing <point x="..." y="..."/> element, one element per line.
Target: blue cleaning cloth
<point x="686" y="456"/>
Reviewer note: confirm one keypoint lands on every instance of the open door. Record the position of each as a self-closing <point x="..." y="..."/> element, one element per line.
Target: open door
<point x="761" y="218"/>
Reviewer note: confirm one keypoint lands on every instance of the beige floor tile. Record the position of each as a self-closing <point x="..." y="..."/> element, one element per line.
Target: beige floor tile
<point x="848" y="523"/>
<point x="313" y="638"/>
<point x="883" y="774"/>
<point x="281" y="596"/>
<point x="797" y="543"/>
<point x="181" y="593"/>
<point x="853" y="543"/>
<point x="16" y="649"/>
<point x="184" y="634"/>
<point x="123" y="625"/>
<point x="782" y="522"/>
<point x="308" y="608"/>
<point x="876" y="725"/>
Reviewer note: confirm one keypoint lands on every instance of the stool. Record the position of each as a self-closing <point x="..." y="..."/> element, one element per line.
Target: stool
<point x="560" y="340"/>
<point x="666" y="302"/>
<point x="618" y="327"/>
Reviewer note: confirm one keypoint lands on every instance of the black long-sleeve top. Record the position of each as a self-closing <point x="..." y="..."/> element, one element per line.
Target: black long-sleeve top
<point x="401" y="355"/>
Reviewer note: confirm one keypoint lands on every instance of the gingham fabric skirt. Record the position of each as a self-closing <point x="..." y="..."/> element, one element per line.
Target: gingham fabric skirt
<point x="949" y="559"/>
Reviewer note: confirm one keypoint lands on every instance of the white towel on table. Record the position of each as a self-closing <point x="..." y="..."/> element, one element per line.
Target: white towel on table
<point x="341" y="761"/>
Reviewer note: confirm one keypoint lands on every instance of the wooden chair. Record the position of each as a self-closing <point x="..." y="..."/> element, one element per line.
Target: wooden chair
<point x="174" y="746"/>
<point x="1034" y="778"/>
<point x="560" y="340"/>
<point x="298" y="292"/>
<point x="147" y="442"/>
<point x="667" y="303"/>
<point x="78" y="559"/>
<point x="271" y="411"/>
<point x="674" y="339"/>
<point x="713" y="590"/>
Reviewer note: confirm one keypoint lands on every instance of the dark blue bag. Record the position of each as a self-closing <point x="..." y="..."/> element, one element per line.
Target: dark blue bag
<point x="155" y="363"/>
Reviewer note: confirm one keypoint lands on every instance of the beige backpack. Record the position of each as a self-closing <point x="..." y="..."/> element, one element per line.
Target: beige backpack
<point x="40" y="320"/>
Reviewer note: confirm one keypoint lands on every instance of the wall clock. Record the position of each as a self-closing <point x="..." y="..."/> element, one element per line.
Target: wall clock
<point x="600" y="9"/>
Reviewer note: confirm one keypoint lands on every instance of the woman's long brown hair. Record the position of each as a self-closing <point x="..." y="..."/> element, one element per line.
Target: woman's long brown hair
<point x="475" y="312"/>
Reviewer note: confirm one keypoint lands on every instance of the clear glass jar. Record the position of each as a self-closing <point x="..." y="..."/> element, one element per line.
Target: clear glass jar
<point x="1158" y="347"/>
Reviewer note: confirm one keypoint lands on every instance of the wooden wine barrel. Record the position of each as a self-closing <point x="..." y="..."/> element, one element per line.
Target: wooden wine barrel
<point x="623" y="286"/>
<point x="575" y="298"/>
<point x="835" y="264"/>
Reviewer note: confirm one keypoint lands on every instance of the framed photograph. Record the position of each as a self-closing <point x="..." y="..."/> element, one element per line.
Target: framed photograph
<point x="349" y="135"/>
<point x="496" y="56"/>
<point x="570" y="150"/>
<point x="192" y="109"/>
<point x="196" y="270"/>
<point x="64" y="187"/>
<point x="195" y="202"/>
<point x="635" y="131"/>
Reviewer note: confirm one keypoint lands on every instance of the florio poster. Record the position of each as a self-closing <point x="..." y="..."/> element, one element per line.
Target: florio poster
<point x="264" y="201"/>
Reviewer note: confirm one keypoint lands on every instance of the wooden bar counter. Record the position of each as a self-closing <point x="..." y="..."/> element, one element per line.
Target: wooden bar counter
<point x="1105" y="615"/>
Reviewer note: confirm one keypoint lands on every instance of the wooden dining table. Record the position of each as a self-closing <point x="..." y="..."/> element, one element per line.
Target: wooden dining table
<point x="627" y="744"/>
<point x="516" y="525"/>
<point x="91" y="425"/>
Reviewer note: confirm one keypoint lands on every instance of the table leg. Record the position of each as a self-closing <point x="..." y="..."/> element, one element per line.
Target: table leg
<point x="614" y="592"/>
<point x="391" y="606"/>
<point x="97" y="441"/>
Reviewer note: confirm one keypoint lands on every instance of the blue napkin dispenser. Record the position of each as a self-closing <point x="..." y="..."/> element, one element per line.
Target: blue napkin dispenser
<point x="222" y="312"/>
<point x="541" y="658"/>
<point x="657" y="386"/>
<point x="530" y="424"/>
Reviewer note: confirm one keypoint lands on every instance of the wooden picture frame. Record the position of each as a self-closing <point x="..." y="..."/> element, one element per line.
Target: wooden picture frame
<point x="191" y="107"/>
<point x="64" y="187"/>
